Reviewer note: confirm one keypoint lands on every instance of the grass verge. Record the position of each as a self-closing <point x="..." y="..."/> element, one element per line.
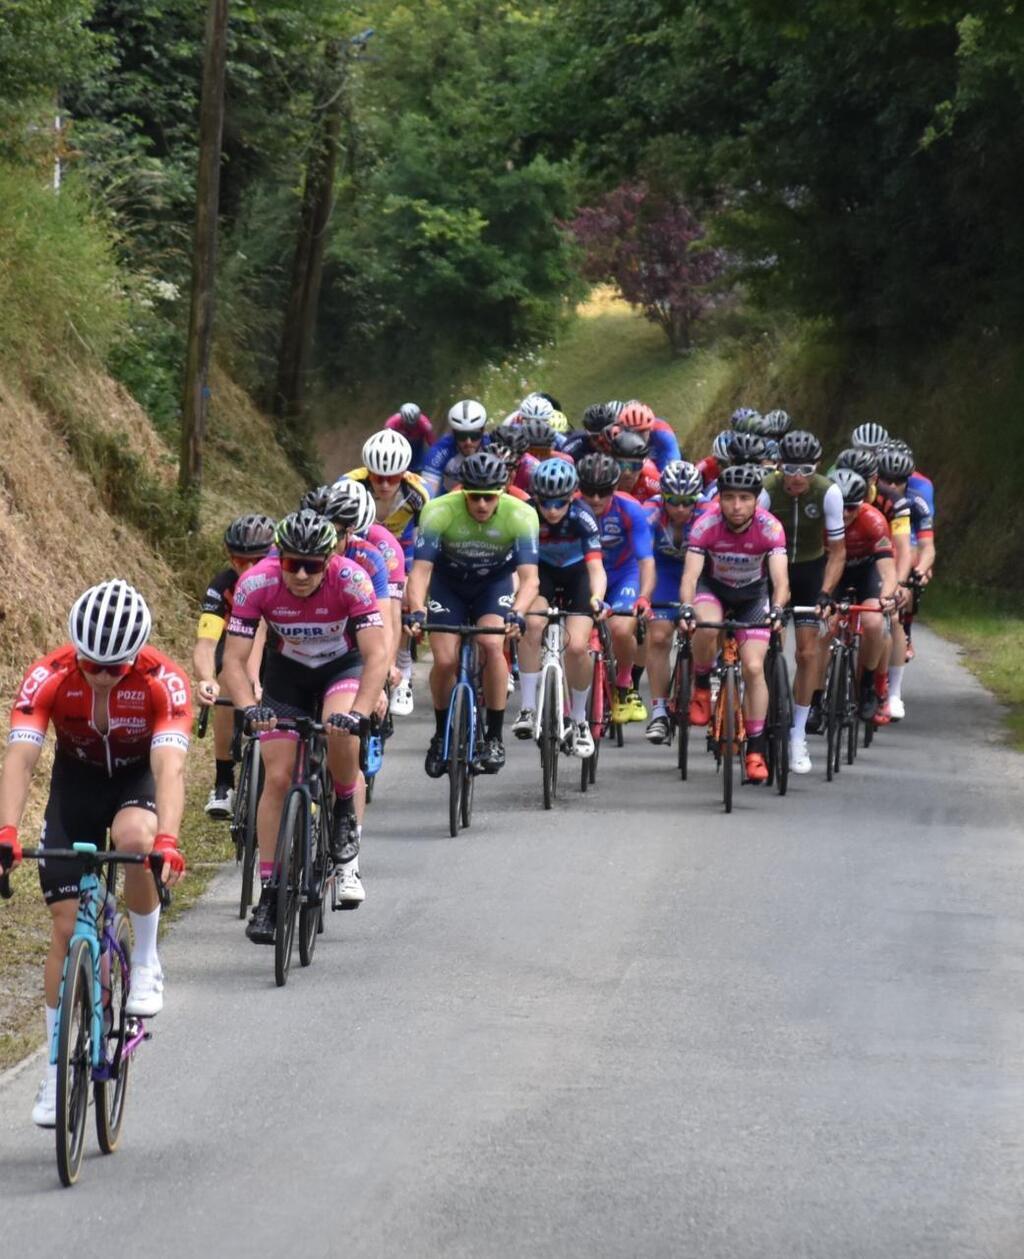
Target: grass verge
<point x="990" y="629"/>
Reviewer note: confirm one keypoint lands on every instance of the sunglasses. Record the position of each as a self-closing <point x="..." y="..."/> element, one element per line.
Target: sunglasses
<point x="385" y="480"/>
<point x="799" y="469"/>
<point x="680" y="500"/>
<point x="247" y="561"/>
<point x="303" y="564"/>
<point x="462" y="438"/>
<point x="630" y="465"/>
<point x="553" y="504"/>
<point x="93" y="668"/>
<point x="599" y="493"/>
<point x="483" y="496"/>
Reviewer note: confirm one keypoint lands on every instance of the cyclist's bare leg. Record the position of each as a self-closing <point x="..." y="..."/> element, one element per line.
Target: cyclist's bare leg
<point x="755" y="687"/>
<point x="623" y="631"/>
<point x="808" y="664"/>
<point x="445" y="650"/>
<point x="659" y="646"/>
<point x="873" y="641"/>
<point x="133" y="830"/>
<point x="278" y="759"/>
<point x="579" y="664"/>
<point x="495" y="667"/>
<point x="343" y="749"/>
<point x="529" y="644"/>
<point x="62" y="923"/>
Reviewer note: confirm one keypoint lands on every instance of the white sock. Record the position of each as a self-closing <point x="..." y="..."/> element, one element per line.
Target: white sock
<point x="578" y="712"/>
<point x="799" y="730"/>
<point x="896" y="681"/>
<point x="145" y="927"/>
<point x="659" y="707"/>
<point x="404" y="662"/>
<point x="528" y="688"/>
<point x="51" y="1023"/>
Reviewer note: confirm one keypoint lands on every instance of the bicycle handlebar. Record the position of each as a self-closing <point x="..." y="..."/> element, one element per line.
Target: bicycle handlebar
<point x="465" y="631"/>
<point x="154" y="863"/>
<point x="203" y="720"/>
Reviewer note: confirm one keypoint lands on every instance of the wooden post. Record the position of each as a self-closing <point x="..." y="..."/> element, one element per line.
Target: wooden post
<point x="204" y="257"/>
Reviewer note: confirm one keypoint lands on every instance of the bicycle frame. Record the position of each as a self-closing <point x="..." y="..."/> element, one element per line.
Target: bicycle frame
<point x="310" y="779"/>
<point x="552" y="670"/>
<point x="467" y="682"/>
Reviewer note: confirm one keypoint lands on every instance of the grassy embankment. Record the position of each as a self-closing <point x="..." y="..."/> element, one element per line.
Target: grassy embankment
<point x="87" y="493"/>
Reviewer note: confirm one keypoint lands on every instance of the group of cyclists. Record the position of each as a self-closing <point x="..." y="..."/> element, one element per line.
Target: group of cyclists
<point x="316" y="615"/>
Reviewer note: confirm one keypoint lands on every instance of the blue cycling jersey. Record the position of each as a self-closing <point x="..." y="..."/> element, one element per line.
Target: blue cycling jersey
<point x="367" y="556"/>
<point x="664" y="446"/>
<point x="625" y="533"/>
<point x="439" y="456"/>
<point x="573" y="539"/>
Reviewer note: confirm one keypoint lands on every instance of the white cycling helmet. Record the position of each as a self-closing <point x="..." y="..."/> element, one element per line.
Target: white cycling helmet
<point x="868" y="436"/>
<point x="387" y="453"/>
<point x="534" y="407"/>
<point x="109" y="623"/>
<point x="467" y="416"/>
<point x="367" y="507"/>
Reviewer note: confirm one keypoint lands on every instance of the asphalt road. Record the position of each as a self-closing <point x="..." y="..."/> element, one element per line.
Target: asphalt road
<point x="628" y="1027"/>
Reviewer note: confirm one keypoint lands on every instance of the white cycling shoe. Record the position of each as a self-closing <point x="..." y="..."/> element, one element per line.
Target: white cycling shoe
<point x="897" y="708"/>
<point x="350" y="890"/>
<point x="401" y="699"/>
<point x="583" y="743"/>
<point x="146" y="992"/>
<point x="44" y="1112"/>
<point x="221" y="802"/>
<point x="799" y="760"/>
<point x="523" y="725"/>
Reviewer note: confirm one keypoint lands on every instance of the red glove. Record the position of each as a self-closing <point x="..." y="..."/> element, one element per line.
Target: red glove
<point x="9" y="838"/>
<point x="642" y="607"/>
<point x="167" y="847"/>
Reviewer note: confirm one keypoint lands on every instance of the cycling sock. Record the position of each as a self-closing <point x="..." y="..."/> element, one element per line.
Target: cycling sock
<point x="495" y="722"/>
<point x="528" y="688"/>
<point x="799" y="730"/>
<point x="51" y="1023"/>
<point x="867" y="680"/>
<point x="816" y="699"/>
<point x="440" y="721"/>
<point x="579" y="704"/>
<point x="225" y="774"/>
<point x="404" y="662"/>
<point x="896" y="681"/>
<point x="623" y="677"/>
<point x="702" y="678"/>
<point x="638" y="673"/>
<point x="755" y="728"/>
<point x="266" y="871"/>
<point x="755" y="742"/>
<point x="659" y="707"/>
<point x="144" y="927"/>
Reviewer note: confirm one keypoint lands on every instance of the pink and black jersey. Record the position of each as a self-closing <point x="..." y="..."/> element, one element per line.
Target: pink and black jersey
<point x="736" y="559"/>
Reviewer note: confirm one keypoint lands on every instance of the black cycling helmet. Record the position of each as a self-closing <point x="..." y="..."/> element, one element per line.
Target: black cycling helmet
<point x="799" y="446"/>
<point x="249" y="535"/>
<point x="629" y="444"/>
<point x="741" y="476"/>
<point x="597" y="417"/>
<point x="341" y="509"/>
<point x="777" y="423"/>
<point x="852" y="486"/>
<point x="746" y="448"/>
<point x="511" y="441"/>
<point x="484" y="470"/>
<point x="895" y="465"/>
<point x="858" y="459"/>
<point x="538" y="432"/>
<point x="306" y="532"/>
<point x="598" y="472"/>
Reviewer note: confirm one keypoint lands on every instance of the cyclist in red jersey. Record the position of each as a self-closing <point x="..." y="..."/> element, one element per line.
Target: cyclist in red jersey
<point x="639" y="474"/>
<point x="121" y="713"/>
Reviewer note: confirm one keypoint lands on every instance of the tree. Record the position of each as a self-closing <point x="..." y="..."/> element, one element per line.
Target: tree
<point x="654" y="249"/>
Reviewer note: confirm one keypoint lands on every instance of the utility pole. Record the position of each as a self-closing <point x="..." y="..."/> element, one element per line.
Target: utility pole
<point x="296" y="351"/>
<point x="204" y="255"/>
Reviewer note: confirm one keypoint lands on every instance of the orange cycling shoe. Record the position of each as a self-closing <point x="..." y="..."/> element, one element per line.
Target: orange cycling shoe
<point x="883" y="717"/>
<point x="700" y="707"/>
<point x="757" y="768"/>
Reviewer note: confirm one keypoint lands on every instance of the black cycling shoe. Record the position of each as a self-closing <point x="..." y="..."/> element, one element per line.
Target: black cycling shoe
<point x="435" y="764"/>
<point x="657" y="729"/>
<point x="492" y="756"/>
<point x="261" y="926"/>
<point x="868" y="703"/>
<point x="815" y="718"/>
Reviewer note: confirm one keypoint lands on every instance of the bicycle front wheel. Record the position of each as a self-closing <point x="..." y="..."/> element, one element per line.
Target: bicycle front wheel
<point x="780" y="719"/>
<point x="109" y="1094"/>
<point x="311" y="913"/>
<point x="727" y="696"/>
<point x="549" y="742"/>
<point x="832" y="707"/>
<point x="288" y="867"/>
<point x="682" y="683"/>
<point x="249" y="796"/>
<point x="459" y="753"/>
<point x="74" y="1060"/>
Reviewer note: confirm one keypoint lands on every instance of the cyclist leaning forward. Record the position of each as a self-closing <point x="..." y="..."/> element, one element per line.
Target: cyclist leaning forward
<point x="471" y="545"/>
<point x="327" y="655"/>
<point x="746" y="547"/>
<point x="810" y="508"/>
<point x="121" y="714"/>
<point x="572" y="578"/>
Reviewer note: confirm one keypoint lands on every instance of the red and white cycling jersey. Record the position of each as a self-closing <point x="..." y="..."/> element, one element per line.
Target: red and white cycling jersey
<point x="314" y="630"/>
<point x="868" y="537"/>
<point x="150" y="707"/>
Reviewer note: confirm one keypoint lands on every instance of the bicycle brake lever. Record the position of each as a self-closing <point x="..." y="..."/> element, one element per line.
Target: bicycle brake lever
<point x="6" y="891"/>
<point x="162" y="890"/>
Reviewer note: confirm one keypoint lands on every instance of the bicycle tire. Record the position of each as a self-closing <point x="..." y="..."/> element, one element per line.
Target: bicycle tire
<point x="840" y="712"/>
<point x="852" y="708"/>
<point x="311" y="916"/>
<point x="252" y="771"/>
<point x="458" y="759"/>
<point x="780" y="719"/>
<point x="469" y="780"/>
<point x="288" y="866"/>
<point x="549" y="744"/>
<point x="682" y="685"/>
<point x="74" y="1060"/>
<point x="830" y="712"/>
<point x="869" y="733"/>
<point x="727" y="695"/>
<point x="588" y="767"/>
<point x="109" y="1095"/>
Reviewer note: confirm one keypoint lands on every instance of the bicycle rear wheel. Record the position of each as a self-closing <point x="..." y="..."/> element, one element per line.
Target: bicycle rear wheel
<point x="288" y="867"/>
<point x="109" y="1094"/>
<point x="595" y="720"/>
<point x="469" y="778"/>
<point x="852" y="708"/>
<point x="727" y="696"/>
<point x="311" y="915"/>
<point x="831" y="707"/>
<point x="458" y="759"/>
<point x="682" y="684"/>
<point x="74" y="1060"/>
<point x="248" y="798"/>
<point x="780" y="719"/>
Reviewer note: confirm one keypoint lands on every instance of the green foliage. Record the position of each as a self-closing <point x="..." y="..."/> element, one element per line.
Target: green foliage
<point x="42" y="44"/>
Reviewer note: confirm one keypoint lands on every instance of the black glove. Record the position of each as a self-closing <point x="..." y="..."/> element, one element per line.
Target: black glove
<point x="825" y="602"/>
<point x="256" y="713"/>
<point x="349" y="722"/>
<point x="409" y="619"/>
<point x="687" y="615"/>
<point x="513" y="618"/>
<point x="776" y="614"/>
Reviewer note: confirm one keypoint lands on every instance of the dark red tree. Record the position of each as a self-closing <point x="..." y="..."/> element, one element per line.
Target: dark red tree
<point x="653" y="248"/>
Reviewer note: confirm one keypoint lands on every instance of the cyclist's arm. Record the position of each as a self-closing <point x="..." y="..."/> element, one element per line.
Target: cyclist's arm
<point x="234" y="671"/>
<point x="528" y="579"/>
<point x="904" y="551"/>
<point x="835" y="562"/>
<point x="887" y="574"/>
<point x="418" y="584"/>
<point x="693" y="566"/>
<point x="926" y="555"/>
<point x="835" y="538"/>
<point x="204" y="662"/>
<point x="648" y="578"/>
<point x="778" y="574"/>
<point x="255" y="664"/>
<point x="598" y="577"/>
<point x="373" y="648"/>
<point x="168" y="766"/>
<point x="15" y="780"/>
